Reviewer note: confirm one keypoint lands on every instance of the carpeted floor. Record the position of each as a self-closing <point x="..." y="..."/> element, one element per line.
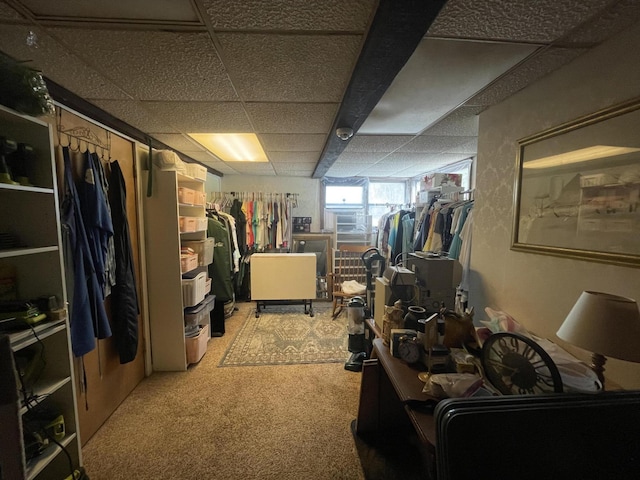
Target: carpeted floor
<point x="270" y="422"/>
<point x="283" y="335"/>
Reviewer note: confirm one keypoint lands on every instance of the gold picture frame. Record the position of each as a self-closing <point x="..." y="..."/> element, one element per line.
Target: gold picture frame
<point x="577" y="189"/>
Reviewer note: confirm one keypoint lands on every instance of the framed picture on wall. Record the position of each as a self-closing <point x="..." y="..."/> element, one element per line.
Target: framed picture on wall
<point x="577" y="189"/>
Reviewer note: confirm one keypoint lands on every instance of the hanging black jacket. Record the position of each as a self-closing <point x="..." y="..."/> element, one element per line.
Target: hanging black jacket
<point x="124" y="296"/>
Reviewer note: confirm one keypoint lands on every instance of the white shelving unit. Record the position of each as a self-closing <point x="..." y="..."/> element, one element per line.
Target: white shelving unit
<point x="162" y="212"/>
<point x="31" y="213"/>
<point x="352" y="228"/>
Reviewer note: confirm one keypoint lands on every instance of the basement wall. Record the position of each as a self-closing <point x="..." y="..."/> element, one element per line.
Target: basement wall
<point x="539" y="290"/>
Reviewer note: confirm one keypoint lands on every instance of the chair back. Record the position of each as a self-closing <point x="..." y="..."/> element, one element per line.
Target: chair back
<point x="349" y="265"/>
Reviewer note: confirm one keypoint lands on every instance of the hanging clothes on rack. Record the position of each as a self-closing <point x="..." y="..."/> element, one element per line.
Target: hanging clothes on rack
<point x="87" y="316"/>
<point x="96" y="216"/>
<point x="220" y="271"/>
<point x="124" y="295"/>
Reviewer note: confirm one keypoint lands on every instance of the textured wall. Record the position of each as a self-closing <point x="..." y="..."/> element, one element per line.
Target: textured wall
<point x="539" y="290"/>
<point x="307" y="188"/>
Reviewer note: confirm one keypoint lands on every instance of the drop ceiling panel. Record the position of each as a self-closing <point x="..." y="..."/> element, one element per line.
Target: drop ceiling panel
<point x="535" y="68"/>
<point x="203" y="117"/>
<point x="439" y="74"/>
<point x="328" y="15"/>
<point x="292" y="117"/>
<point x="621" y="15"/>
<point x="516" y="20"/>
<point x="179" y="142"/>
<point x="174" y="10"/>
<point x="343" y="172"/>
<point x="361" y="157"/>
<point x="277" y="68"/>
<point x="461" y="122"/>
<point x="8" y="13"/>
<point x="376" y="143"/>
<point x="294" y="157"/>
<point x="285" y="171"/>
<point x="254" y="168"/>
<point x="153" y="65"/>
<point x="435" y="144"/>
<point x="55" y="63"/>
<point x="292" y="143"/>
<point x="135" y="115"/>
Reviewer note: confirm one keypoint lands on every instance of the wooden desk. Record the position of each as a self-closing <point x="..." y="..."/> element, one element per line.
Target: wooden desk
<point x="389" y="386"/>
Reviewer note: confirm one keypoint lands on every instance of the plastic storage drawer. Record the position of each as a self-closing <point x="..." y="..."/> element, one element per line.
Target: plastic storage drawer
<point x="204" y="249"/>
<point x="197" y="346"/>
<point x="199" y="315"/>
<point x="193" y="286"/>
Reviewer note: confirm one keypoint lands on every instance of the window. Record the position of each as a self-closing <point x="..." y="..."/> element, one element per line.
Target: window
<point x="384" y="194"/>
<point x="344" y="196"/>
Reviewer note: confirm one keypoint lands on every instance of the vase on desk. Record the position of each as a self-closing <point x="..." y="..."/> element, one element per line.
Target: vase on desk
<point x="415" y="317"/>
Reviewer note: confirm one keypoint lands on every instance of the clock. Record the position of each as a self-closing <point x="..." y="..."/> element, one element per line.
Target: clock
<point x="409" y="349"/>
<point x="517" y="365"/>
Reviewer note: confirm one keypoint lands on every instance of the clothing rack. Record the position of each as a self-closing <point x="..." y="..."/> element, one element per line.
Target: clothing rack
<point x="226" y="198"/>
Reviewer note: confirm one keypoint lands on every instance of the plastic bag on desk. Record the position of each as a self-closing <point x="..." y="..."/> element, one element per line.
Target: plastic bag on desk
<point x="452" y="385"/>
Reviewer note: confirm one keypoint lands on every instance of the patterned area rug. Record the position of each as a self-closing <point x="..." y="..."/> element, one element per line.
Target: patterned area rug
<point x="284" y="335"/>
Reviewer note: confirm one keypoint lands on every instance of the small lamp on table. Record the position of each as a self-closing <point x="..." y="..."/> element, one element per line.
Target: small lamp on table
<point x="604" y="324"/>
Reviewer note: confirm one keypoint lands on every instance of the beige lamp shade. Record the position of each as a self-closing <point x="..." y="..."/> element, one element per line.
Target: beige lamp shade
<point x="605" y="324"/>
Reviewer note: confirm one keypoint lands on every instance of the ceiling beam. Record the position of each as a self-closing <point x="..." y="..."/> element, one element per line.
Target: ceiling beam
<point x="396" y="30"/>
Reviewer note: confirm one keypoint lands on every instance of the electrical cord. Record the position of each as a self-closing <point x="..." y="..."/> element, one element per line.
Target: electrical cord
<point x="31" y="402"/>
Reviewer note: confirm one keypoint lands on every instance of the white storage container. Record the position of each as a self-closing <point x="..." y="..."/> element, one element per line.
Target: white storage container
<point x="193" y="286"/>
<point x="204" y="249"/>
<point x="197" y="171"/>
<point x="188" y="262"/>
<point x="188" y="224"/>
<point x="201" y="223"/>
<point x="186" y="195"/>
<point x="199" y="198"/>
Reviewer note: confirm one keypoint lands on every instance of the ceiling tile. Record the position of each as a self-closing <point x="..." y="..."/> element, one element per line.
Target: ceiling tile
<point x="468" y="148"/>
<point x="361" y="157"/>
<point x="292" y="143"/>
<point x="517" y="20"/>
<point x="344" y="172"/>
<point x="204" y="157"/>
<point x="440" y="75"/>
<point x="292" y="117"/>
<point x="150" y="10"/>
<point x="56" y="64"/>
<point x="435" y="144"/>
<point x="8" y="13"/>
<point x="135" y="115"/>
<point x="526" y="73"/>
<point x="292" y="157"/>
<point x="300" y="170"/>
<point x="161" y="66"/>
<point x="328" y="15"/>
<point x="251" y="167"/>
<point x="621" y="15"/>
<point x="178" y="141"/>
<point x="203" y="117"/>
<point x="461" y="122"/>
<point x="376" y="143"/>
<point x="276" y="68"/>
<point x="220" y="166"/>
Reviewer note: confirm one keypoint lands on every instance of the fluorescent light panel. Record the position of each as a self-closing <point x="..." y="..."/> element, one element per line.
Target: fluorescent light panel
<point x="576" y="156"/>
<point x="232" y="147"/>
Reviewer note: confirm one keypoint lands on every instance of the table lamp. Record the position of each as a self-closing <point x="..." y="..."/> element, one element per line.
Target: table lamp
<point x="604" y="324"/>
